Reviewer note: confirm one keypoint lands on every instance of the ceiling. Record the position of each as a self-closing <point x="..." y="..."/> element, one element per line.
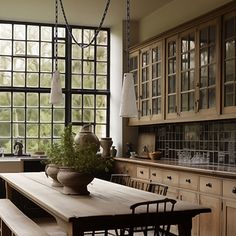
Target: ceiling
<point x="89" y="12"/>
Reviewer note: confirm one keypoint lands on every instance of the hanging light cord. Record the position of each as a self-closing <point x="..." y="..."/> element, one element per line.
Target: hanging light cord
<point x="82" y="45"/>
<point x="128" y="33"/>
<point x="56" y="34"/>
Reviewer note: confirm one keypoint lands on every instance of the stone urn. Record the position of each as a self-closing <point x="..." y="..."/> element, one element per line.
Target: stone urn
<point x="106" y="144"/>
<point x="51" y="170"/>
<point x="73" y="181"/>
<point x="86" y="136"/>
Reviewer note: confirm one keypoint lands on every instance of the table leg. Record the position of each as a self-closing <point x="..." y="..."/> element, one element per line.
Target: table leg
<point x="185" y="228"/>
<point x="9" y="190"/>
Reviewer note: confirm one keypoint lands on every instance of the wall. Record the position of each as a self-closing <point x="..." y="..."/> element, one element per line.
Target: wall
<point x="173" y="14"/>
<point x="194" y="142"/>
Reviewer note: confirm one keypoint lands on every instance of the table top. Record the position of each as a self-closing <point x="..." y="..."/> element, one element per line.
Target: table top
<point x="105" y="199"/>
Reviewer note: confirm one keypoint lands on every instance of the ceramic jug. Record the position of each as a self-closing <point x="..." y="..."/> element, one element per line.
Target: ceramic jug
<point x="85" y="136"/>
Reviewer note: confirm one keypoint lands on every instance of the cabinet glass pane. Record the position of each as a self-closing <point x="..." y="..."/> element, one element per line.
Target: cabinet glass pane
<point x="212" y="97"/>
<point x="172" y="66"/>
<point x="203" y="37"/>
<point x="156" y="106"/>
<point x="212" y="75"/>
<point x="171" y="103"/>
<point x="230" y="49"/>
<point x="156" y="54"/>
<point x="203" y="99"/>
<point x="230" y="70"/>
<point x="229" y="95"/>
<point x="184" y="102"/>
<point x="204" y="57"/>
<point x="172" y="84"/>
<point x="172" y="49"/>
<point x="230" y="28"/>
<point x="145" y="107"/>
<point x="184" y="81"/>
<point x="207" y="67"/>
<point x="156" y="70"/>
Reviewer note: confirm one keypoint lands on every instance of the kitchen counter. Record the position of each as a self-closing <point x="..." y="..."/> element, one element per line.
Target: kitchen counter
<point x="215" y="170"/>
<point x="21" y="163"/>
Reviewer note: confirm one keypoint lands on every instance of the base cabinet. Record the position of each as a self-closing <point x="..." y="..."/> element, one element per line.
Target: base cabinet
<point x="229" y="210"/>
<point x="218" y="193"/>
<point x="209" y="223"/>
<point x="193" y="198"/>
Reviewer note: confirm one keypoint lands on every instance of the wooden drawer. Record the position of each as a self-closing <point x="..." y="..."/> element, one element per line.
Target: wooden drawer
<point x="142" y="172"/>
<point x="170" y="178"/>
<point x="156" y="175"/>
<point x="210" y="185"/>
<point x="229" y="188"/>
<point x="172" y="192"/>
<point x="188" y="181"/>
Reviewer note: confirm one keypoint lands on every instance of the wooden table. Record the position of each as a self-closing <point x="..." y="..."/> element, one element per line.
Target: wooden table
<point x="107" y="206"/>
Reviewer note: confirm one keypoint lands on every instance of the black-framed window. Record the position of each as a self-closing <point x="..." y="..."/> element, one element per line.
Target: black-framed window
<point x="26" y="67"/>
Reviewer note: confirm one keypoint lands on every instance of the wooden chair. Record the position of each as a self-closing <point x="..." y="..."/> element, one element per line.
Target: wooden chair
<point x="158" y="188"/>
<point x="140" y="184"/>
<point x="151" y="207"/>
<point x="123" y="179"/>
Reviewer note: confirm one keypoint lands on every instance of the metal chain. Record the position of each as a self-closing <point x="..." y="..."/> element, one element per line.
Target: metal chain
<point x="82" y="45"/>
<point x="128" y="33"/>
<point x="56" y="34"/>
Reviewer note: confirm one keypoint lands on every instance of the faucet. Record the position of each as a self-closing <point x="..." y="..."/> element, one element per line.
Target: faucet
<point x="18" y="147"/>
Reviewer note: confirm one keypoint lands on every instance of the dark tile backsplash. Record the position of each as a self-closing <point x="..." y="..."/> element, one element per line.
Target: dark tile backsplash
<point x="213" y="141"/>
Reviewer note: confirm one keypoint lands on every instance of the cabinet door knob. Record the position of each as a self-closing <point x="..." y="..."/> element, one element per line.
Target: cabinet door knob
<point x="141" y="172"/>
<point x="234" y="190"/>
<point x="209" y="185"/>
<point x="188" y="181"/>
<point x="154" y="174"/>
<point x="169" y="177"/>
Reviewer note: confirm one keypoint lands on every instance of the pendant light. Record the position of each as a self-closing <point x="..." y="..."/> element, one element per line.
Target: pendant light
<point x="56" y="96"/>
<point x="128" y="106"/>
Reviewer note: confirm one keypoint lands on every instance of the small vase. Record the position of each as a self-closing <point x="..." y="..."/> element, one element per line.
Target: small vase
<point x="106" y="145"/>
<point x="74" y="182"/>
<point x="85" y="136"/>
<point x="113" y="151"/>
<point x="51" y="170"/>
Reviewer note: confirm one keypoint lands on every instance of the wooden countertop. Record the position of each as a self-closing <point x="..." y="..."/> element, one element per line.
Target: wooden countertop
<point x="215" y="170"/>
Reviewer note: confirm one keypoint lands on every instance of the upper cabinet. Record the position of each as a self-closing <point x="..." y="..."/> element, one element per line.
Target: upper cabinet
<point x="149" y="85"/>
<point x="229" y="62"/>
<point x="190" y="74"/>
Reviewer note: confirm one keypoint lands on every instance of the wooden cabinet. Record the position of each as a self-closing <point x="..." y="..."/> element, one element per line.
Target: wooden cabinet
<point x="229" y="60"/>
<point x="193" y="198"/>
<point x="149" y="85"/>
<point x="229" y="207"/>
<point x="218" y="193"/>
<point x="188" y="74"/>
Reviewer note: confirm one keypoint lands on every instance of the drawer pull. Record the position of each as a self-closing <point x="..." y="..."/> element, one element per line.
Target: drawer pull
<point x="154" y="174"/>
<point x="209" y="185"/>
<point x="234" y="190"/>
<point x="141" y="172"/>
<point x="169" y="177"/>
<point x="188" y="181"/>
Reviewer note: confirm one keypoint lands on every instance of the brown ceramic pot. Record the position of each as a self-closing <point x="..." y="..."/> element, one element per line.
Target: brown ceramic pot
<point x="73" y="181"/>
<point x="51" y="170"/>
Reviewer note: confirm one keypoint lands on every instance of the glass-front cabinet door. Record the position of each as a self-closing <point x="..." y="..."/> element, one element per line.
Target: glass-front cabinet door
<point x="157" y="85"/>
<point x="171" y="78"/>
<point x="229" y="60"/>
<point x="145" y="108"/>
<point x="208" y="99"/>
<point x="187" y="56"/>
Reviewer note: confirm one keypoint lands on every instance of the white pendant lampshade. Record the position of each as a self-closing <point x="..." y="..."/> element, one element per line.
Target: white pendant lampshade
<point x="128" y="106"/>
<point x="56" y="96"/>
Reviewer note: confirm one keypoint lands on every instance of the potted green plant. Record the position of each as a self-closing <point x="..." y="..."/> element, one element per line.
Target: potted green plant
<point x="78" y="164"/>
